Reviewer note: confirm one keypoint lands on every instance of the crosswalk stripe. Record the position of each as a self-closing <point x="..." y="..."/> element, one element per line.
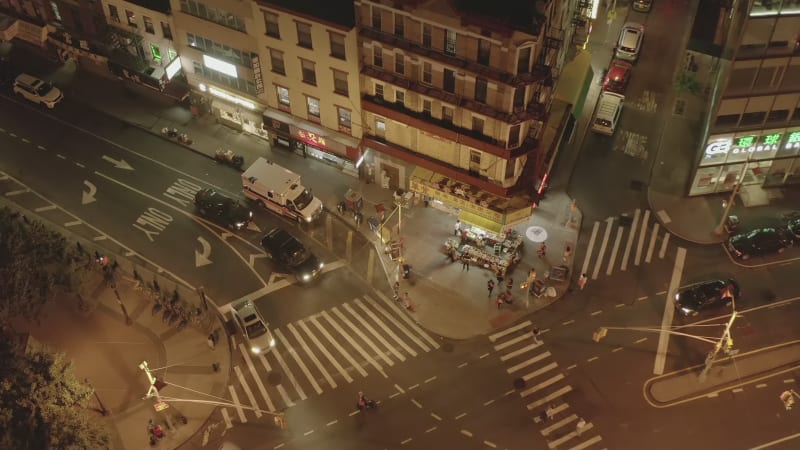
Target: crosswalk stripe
<point x="334" y="362"/>
<point x="595" y="439"/>
<point x="299" y="362"/>
<point x="237" y="405"/>
<point x="386" y="329"/>
<point x="227" y="417"/>
<point x="288" y="372"/>
<point x="649" y="256"/>
<point x="565" y="421"/>
<point x="338" y="347"/>
<point x="352" y="343"/>
<point x="663" y="250"/>
<point x="311" y="355"/>
<point x="557" y="443"/>
<point x="520" y="351"/>
<point x="614" y="250"/>
<point x="642" y="233"/>
<point x="366" y="325"/>
<point x="509" y="330"/>
<point x="590" y="248"/>
<point x="406" y="319"/>
<point x="247" y="390"/>
<point x="357" y="332"/>
<point x="542" y="385"/>
<point x="386" y="314"/>
<point x="550" y="397"/>
<point x="601" y="254"/>
<point x="511" y="342"/>
<point x="539" y="371"/>
<point x="281" y="390"/>
<point x="628" y="244"/>
<point x="259" y="384"/>
<point x="533" y="360"/>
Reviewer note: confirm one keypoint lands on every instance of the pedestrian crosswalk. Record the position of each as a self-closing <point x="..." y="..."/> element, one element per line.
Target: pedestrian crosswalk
<point x="624" y="242"/>
<point x="544" y="388"/>
<point x="321" y="352"/>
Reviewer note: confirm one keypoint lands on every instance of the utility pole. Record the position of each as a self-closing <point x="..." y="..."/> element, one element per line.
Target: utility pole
<point x="738" y="185"/>
<point x="152" y="391"/>
<point x="724" y="339"/>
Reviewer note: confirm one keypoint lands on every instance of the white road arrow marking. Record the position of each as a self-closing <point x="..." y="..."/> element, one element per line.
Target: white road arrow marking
<point x="88" y="197"/>
<point x="275" y="277"/>
<point x="201" y="258"/>
<point x="253" y="258"/>
<point x="119" y="164"/>
<point x="253" y="227"/>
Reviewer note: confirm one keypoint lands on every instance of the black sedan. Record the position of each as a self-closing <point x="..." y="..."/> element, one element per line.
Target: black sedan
<point x="290" y="253"/>
<point x="221" y="209"/>
<point x="710" y="294"/>
<point x="760" y="241"/>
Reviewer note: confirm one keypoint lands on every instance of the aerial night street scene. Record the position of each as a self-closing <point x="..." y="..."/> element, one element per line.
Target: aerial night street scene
<point x="400" y="224"/>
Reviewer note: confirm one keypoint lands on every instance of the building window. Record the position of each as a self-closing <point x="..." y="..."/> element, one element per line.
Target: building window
<point x="399" y="25"/>
<point x="519" y="98"/>
<point x="477" y="124"/>
<point x="426" y="72"/>
<point x="344" y="118"/>
<point x="238" y="84"/>
<point x="271" y="22"/>
<point x="480" y="90"/>
<point x="213" y="48"/>
<point x="376" y="18"/>
<point x="450" y="42"/>
<point x="131" y="18"/>
<point x="426" y="35"/>
<point x="276" y="59"/>
<point x="304" y="35"/>
<point x="312" y="105"/>
<point x="377" y="56"/>
<point x="379" y="90"/>
<point x="510" y="166"/>
<point x="283" y="95"/>
<point x="148" y="25"/>
<point x="113" y="13"/>
<point x="727" y="120"/>
<point x="172" y="54"/>
<point x="156" y="52"/>
<point x="778" y="115"/>
<point x="753" y="118"/>
<point x="475" y="157"/>
<point x="400" y="97"/>
<point x="484" y="52"/>
<point x="216" y="15"/>
<point x="309" y="72"/>
<point x="399" y="63"/>
<point x="513" y="136"/>
<point x="166" y="30"/>
<point x="524" y="60"/>
<point x="340" y="85"/>
<point x="426" y="106"/>
<point x="449" y="81"/>
<point x="337" y="46"/>
<point x="380" y="128"/>
<point x="447" y="114"/>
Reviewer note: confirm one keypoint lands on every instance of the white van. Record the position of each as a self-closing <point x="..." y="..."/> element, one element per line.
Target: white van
<point x="37" y="91"/>
<point x="606" y="116"/>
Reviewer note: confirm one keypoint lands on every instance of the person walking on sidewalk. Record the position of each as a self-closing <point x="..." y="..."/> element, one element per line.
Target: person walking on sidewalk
<point x="582" y="281"/>
<point x="457" y="228"/>
<point x="464" y="262"/>
<point x="490" y="286"/>
<point x="510" y="285"/>
<point x="567" y="254"/>
<point x="535" y="334"/>
<point x="542" y="252"/>
<point x="499" y="276"/>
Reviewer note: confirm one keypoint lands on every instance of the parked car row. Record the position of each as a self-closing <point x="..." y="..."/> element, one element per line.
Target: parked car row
<point x="763" y="241"/>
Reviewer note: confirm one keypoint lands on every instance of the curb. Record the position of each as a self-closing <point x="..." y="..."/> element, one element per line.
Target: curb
<point x="672" y="230"/>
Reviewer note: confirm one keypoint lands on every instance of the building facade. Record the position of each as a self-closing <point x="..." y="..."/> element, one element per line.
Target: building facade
<point x="753" y="127"/>
<point x="309" y="55"/>
<point x="455" y="97"/>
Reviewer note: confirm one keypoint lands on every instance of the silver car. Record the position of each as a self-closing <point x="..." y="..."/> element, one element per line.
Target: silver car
<point x="256" y="333"/>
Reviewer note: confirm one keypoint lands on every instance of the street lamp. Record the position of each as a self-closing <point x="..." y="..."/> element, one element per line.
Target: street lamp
<point x="727" y="207"/>
<point x="103" y="409"/>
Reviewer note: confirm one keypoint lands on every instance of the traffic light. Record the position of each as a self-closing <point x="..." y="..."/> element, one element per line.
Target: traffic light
<point x="729" y="345"/>
<point x="280" y="421"/>
<point x="599" y="334"/>
<point x="787" y="397"/>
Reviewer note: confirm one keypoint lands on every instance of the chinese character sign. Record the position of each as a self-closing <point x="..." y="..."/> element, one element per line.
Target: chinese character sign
<point x="793" y="140"/>
<point x="312" y="138"/>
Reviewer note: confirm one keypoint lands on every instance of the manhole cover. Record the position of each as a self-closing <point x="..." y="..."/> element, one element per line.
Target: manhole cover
<point x="637" y="185"/>
<point x="447" y="347"/>
<point x="274" y="378"/>
<point x="519" y="383"/>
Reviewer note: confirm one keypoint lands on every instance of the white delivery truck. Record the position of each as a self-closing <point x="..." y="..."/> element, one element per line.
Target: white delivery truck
<point x="279" y="189"/>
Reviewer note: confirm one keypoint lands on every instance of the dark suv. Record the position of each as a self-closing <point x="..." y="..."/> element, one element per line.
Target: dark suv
<point x="291" y="254"/>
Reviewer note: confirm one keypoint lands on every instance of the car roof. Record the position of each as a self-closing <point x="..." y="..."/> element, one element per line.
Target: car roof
<point x="618" y="69"/>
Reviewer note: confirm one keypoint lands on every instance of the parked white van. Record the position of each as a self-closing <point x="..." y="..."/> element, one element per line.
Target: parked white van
<point x="606" y="116"/>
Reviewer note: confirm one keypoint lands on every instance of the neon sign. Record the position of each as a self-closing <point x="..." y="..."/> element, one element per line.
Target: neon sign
<point x="312" y="138"/>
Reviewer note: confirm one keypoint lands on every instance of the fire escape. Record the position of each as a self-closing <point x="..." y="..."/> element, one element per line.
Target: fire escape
<point x="579" y="21"/>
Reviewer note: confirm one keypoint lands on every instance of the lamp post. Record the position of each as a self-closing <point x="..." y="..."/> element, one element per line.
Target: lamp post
<point x="738" y="185"/>
<point x="103" y="409"/>
<point x="152" y="391"/>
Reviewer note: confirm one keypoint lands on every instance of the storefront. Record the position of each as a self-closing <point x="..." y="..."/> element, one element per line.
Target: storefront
<point x="767" y="158"/>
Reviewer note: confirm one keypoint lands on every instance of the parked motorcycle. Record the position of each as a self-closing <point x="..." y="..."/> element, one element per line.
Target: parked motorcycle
<point x="224" y="156"/>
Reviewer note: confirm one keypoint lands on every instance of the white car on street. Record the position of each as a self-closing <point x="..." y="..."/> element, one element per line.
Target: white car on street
<point x="256" y="333"/>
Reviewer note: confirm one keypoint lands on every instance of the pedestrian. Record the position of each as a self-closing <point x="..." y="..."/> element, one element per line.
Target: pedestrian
<point x="464" y="262"/>
<point x="579" y="426"/>
<point x="211" y="342"/>
<point x="457" y="228"/>
<point x="510" y="285"/>
<point x="535" y="333"/>
<point x="567" y="254"/>
<point x="490" y="286"/>
<point x="582" y="281"/>
<point x="550" y="412"/>
<point x="407" y="302"/>
<point x="499" y="276"/>
<point x="542" y="252"/>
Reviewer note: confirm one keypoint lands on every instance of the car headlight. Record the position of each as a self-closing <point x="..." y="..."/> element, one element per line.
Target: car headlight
<point x="255" y="349"/>
<point x="250" y="214"/>
<point x="239" y="225"/>
<point x="321" y="264"/>
<point x="677" y="297"/>
<point x="686" y="310"/>
<point x="272" y="342"/>
<point x="309" y="219"/>
<point x="306" y="277"/>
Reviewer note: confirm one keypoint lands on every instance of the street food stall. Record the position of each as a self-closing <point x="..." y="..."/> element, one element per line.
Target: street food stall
<point x="495" y="252"/>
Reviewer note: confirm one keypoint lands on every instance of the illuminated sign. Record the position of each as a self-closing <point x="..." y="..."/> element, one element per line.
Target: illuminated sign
<point x="746" y="144"/>
<point x="173" y="68"/>
<point x="220" y="66"/>
<point x="256" y="62"/>
<point x="793" y="140"/>
<point x="231" y="98"/>
<point x="312" y="138"/>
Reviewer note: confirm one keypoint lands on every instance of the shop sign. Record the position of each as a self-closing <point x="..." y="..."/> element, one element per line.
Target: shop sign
<point x="256" y="62"/>
<point x="454" y="200"/>
<point x="744" y="144"/>
<point x="280" y="126"/>
<point x="793" y="140"/>
<point x="319" y="141"/>
<point x="518" y="216"/>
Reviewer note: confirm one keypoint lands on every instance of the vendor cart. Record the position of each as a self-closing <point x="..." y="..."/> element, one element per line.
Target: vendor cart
<point x="559" y="273"/>
<point x="393" y="249"/>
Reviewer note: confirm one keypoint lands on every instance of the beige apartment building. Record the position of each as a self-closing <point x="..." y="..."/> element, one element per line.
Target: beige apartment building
<point x="456" y="98"/>
<point x="309" y="56"/>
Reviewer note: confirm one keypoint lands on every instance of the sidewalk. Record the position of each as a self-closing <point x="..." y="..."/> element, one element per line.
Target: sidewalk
<point x="450" y="303"/>
<point x="108" y="353"/>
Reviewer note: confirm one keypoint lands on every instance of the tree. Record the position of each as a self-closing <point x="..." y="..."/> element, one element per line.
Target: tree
<point x="42" y="404"/>
<point x="35" y="264"/>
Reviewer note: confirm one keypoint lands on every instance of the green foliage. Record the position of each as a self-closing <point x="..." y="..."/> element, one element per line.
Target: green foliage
<point x="35" y="263"/>
<point x="42" y="404"/>
<point x="686" y="81"/>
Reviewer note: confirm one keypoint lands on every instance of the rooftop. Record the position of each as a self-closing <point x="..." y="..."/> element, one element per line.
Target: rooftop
<point x="522" y="15"/>
<point x="339" y="12"/>
<point x="155" y="5"/>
